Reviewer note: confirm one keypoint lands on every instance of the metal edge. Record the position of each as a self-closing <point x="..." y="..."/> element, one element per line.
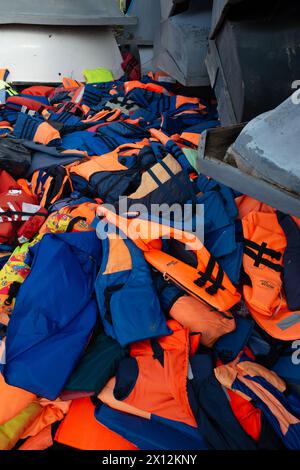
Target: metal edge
<point x="213" y="58"/>
<point x="67" y="21"/>
<point x="253" y="187"/>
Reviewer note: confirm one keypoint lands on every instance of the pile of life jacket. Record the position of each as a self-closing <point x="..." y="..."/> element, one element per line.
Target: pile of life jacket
<point x="121" y="328"/>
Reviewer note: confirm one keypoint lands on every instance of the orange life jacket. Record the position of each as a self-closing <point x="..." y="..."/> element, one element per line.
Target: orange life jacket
<point x="265" y="244"/>
<point x="41" y="441"/>
<point x="160" y="386"/>
<point x="81" y="430"/>
<point x="192" y="138"/>
<point x="199" y="317"/>
<point x="247" y="204"/>
<point x="106" y="162"/>
<point x="105" y="175"/>
<point x="85" y="212"/>
<point x="51" y="411"/>
<point x="70" y="83"/>
<point x="129" y="86"/>
<point x="107" y="396"/>
<point x="206" y="282"/>
<point x="13" y="400"/>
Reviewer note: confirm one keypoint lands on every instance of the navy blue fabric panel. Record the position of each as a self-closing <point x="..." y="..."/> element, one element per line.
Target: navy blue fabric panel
<point x="291" y="261"/>
<point x="212" y="410"/>
<point x="154" y="434"/>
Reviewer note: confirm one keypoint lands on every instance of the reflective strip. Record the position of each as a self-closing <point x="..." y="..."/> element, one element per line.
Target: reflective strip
<point x="226" y="392"/>
<point x="289" y="321"/>
<point x="28" y="111"/>
<point x="27" y="207"/>
<point x="190" y="374"/>
<point x="13" y="209"/>
<point x="7" y="219"/>
<point x="2" y="96"/>
<point x="2" y="352"/>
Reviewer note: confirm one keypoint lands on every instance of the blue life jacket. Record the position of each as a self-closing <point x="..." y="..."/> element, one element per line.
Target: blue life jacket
<point x="287" y="429"/>
<point x="126" y="294"/>
<point x="167" y="293"/>
<point x="106" y="139"/>
<point x="54" y="313"/>
<point x="74" y="200"/>
<point x="95" y="93"/>
<point x="230" y="345"/>
<point x="216" y="421"/>
<point x="291" y="261"/>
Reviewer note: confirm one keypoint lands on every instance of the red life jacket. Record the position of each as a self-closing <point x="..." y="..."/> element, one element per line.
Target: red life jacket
<point x="16" y="207"/>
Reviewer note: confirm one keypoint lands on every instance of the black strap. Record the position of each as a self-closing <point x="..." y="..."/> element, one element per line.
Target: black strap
<point x="158" y="351"/>
<point x="10" y="213"/>
<point x="12" y="293"/>
<point x="249" y="249"/>
<point x="162" y="185"/>
<point x="73" y="222"/>
<point x="58" y="174"/>
<point x="206" y="276"/>
<point x="3" y="330"/>
<point x="107" y="297"/>
<point x="72" y="108"/>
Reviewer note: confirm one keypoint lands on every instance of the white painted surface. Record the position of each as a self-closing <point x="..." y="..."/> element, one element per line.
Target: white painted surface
<point x="146" y="56"/>
<point x="63" y="12"/>
<point x="48" y="53"/>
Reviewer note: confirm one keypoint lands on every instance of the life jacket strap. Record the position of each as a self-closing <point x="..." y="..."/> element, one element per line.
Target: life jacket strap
<point x="12" y="293"/>
<point x="107" y="297"/>
<point x="249" y="249"/>
<point x="206" y="276"/>
<point x="158" y="351"/>
<point x="73" y="222"/>
<point x="11" y="213"/>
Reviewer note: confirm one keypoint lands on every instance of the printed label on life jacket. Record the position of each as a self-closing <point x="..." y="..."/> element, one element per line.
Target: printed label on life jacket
<point x="172" y="263"/>
<point x="267" y="284"/>
<point x="14" y="192"/>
